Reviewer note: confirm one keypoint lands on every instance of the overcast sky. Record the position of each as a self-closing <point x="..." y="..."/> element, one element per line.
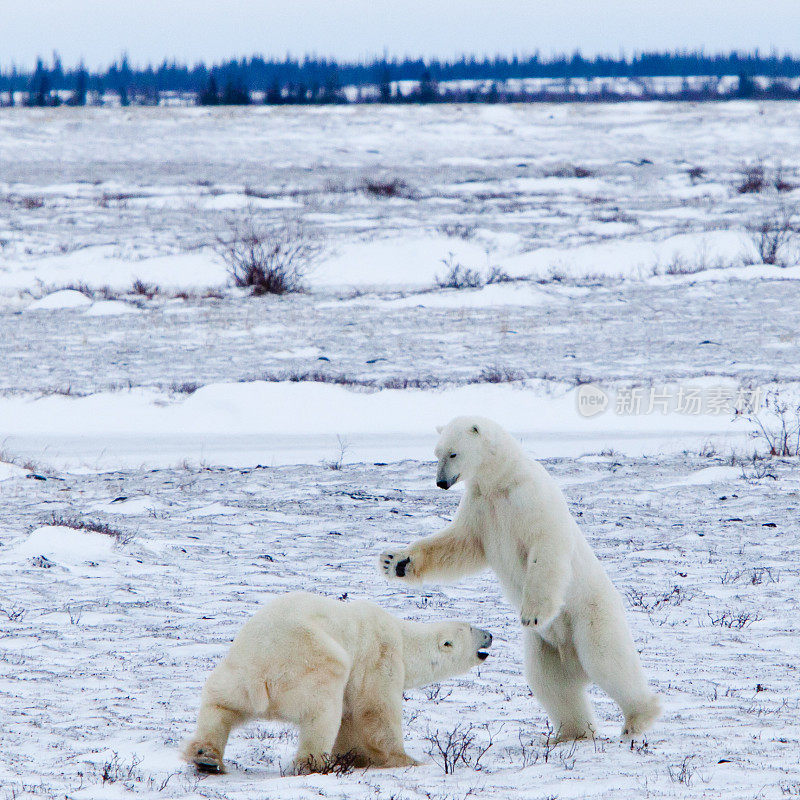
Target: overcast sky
<point x="149" y="30"/>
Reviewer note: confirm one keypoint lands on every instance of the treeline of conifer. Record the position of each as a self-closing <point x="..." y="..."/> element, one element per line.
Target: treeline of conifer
<point x="319" y="80"/>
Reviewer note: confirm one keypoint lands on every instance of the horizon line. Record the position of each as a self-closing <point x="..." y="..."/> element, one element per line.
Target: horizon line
<point x="372" y="60"/>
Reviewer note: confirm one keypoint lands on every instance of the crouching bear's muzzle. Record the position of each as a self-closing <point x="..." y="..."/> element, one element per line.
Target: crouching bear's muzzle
<point x="484" y="639"/>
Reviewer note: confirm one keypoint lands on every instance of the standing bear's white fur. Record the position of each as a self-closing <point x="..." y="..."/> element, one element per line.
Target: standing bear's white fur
<point x="335" y="669"/>
<point x="515" y="519"/>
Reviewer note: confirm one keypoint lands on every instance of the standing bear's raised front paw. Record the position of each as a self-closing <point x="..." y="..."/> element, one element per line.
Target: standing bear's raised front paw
<point x="539" y="613"/>
<point x="396" y="565"/>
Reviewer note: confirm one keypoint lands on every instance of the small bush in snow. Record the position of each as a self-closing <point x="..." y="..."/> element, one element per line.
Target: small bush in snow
<point x="31" y="203"/>
<point x="682" y="773"/>
<point x="14" y="613"/>
<point x="267" y="260"/>
<point x="774" y="235"/>
<point x="569" y="171"/>
<point x="498" y="275"/>
<point x="499" y="375"/>
<point x="457" y="230"/>
<point x="148" y="290"/>
<point x="189" y="387"/>
<point x="458" y="276"/>
<point x="386" y="188"/>
<point x="737" y="621"/>
<point x="680" y="266"/>
<point x="115" y="770"/>
<point x="554" y="275"/>
<point x="340" y="764"/>
<point x="756" y="179"/>
<point x="90" y="525"/>
<point x="672" y="597"/>
<point x="780" y="183"/>
<point x="436" y="693"/>
<point x="753" y="179"/>
<point x="337" y="463"/>
<point x="755" y="468"/>
<point x="695" y="174"/>
<point x="458" y="746"/>
<point x="43" y="289"/>
<point x="777" y="425"/>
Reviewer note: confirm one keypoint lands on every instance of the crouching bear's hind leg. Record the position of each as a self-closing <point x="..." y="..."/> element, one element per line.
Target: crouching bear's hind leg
<point x="227" y="701"/>
<point x="316" y="702"/>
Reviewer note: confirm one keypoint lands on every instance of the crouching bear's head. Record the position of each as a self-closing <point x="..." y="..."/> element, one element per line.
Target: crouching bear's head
<point x="449" y="648"/>
<point x="465" y="444"/>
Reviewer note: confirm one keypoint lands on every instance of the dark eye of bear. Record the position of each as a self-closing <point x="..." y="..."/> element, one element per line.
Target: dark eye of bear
<point x="453" y="455"/>
<point x="448" y="644"/>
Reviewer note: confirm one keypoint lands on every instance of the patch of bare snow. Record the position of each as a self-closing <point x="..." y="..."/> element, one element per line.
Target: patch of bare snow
<point x="65" y="545"/>
<point x="11" y="471"/>
<point x="108" y="308"/>
<point x="65" y="298"/>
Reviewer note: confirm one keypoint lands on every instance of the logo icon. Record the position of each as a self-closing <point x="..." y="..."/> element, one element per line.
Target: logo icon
<point x="592" y="400"/>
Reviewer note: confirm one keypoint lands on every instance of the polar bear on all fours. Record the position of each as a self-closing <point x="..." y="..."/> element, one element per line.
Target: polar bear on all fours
<point x="335" y="669"/>
<point x="514" y="519"/>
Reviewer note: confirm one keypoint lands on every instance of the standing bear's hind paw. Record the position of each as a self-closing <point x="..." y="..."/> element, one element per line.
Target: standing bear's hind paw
<point x="573" y="731"/>
<point x="642" y="717"/>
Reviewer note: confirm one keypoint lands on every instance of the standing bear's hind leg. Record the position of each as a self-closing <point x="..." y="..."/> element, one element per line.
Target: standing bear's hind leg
<point x="607" y="652"/>
<point x="560" y="686"/>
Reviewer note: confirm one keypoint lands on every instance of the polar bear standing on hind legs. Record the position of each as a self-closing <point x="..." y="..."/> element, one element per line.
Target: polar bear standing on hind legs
<point x="515" y="519"/>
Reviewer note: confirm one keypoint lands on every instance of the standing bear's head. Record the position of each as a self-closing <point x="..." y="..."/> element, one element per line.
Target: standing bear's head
<point x="469" y="447"/>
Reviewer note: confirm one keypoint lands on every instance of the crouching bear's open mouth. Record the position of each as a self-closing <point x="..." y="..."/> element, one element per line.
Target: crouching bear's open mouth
<point x="483" y="655"/>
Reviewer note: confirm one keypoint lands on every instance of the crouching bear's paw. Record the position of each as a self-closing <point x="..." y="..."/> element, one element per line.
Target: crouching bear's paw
<point x="396" y="565"/>
<point x="205" y="757"/>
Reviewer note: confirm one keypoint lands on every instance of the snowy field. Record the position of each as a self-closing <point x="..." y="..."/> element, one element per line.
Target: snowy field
<point x="174" y="453"/>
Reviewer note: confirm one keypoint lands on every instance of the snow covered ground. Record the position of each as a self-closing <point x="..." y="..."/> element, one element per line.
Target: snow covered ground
<point x="174" y="445"/>
<point x="102" y="668"/>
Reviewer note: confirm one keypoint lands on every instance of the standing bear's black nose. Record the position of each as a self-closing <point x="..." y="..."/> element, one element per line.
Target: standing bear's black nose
<point x="443" y="484"/>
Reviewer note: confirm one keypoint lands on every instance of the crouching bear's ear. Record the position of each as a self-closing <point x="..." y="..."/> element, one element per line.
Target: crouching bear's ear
<point x="439" y="428"/>
<point x="475" y="430"/>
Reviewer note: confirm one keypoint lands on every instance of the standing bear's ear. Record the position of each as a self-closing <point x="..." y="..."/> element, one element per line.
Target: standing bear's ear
<point x="439" y="428"/>
<point x="475" y="430"/>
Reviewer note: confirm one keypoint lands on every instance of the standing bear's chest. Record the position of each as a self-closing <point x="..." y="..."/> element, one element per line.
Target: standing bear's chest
<point x="505" y="542"/>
